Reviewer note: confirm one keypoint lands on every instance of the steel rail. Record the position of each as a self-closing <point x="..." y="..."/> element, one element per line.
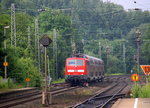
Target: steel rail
<point x="30" y="97"/>
<point x="111" y="98"/>
<point x="97" y="96"/>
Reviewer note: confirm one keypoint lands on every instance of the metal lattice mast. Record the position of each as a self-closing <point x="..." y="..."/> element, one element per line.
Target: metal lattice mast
<point x="29" y="37"/>
<point x="100" y="51"/>
<point x="71" y="12"/>
<point x="138" y="41"/>
<point x="83" y="45"/>
<point x="124" y="56"/>
<point x="37" y="45"/>
<point x="55" y="52"/>
<point x="13" y="26"/>
<point x="48" y="70"/>
<point x="73" y="46"/>
<point x="107" y="53"/>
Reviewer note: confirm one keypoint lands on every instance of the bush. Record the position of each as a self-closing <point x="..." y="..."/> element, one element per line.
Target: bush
<point x="145" y="92"/>
<point x="3" y="85"/>
<point x="6" y="83"/>
<point x="58" y="81"/>
<point x="141" y="92"/>
<point x="10" y="83"/>
<point x="136" y="90"/>
<point x="26" y="69"/>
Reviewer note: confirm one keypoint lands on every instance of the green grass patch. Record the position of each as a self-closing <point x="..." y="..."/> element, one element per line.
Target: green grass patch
<point x="141" y="91"/>
<point x="10" y="89"/>
<point x="8" y="85"/>
<point x="58" y="81"/>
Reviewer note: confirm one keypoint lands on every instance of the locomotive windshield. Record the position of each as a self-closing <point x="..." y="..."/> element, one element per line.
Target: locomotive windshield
<point x="75" y="62"/>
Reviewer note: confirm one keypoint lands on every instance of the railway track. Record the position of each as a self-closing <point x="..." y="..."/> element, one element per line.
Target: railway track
<point x="105" y="98"/>
<point x="28" y="96"/>
<point x="101" y="98"/>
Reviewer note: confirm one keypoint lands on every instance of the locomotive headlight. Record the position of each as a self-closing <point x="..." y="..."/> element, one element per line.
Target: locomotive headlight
<point x="80" y="70"/>
<point x="70" y="70"/>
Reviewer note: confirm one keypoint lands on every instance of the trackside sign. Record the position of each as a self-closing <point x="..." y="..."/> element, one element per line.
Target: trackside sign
<point x="146" y="69"/>
<point x="135" y="77"/>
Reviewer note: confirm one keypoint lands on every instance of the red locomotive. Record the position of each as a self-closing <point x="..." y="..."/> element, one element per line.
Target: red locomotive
<point x="82" y="69"/>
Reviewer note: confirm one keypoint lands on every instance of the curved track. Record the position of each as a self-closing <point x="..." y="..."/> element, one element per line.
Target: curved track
<point x="29" y="95"/>
<point x="103" y="99"/>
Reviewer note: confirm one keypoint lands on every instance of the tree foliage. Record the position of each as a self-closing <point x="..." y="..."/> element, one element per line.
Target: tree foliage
<point x="94" y="27"/>
<point x="51" y="20"/>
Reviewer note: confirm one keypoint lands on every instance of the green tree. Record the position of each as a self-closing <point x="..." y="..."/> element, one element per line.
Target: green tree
<point x="50" y="20"/>
<point x="146" y="46"/>
<point x="4" y="21"/>
<point x="114" y="65"/>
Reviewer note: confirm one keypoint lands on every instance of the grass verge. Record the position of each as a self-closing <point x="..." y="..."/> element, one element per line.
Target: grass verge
<point x="141" y="91"/>
<point x="58" y="81"/>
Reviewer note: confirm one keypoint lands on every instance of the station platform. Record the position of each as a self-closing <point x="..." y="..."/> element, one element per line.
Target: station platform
<point x="132" y="103"/>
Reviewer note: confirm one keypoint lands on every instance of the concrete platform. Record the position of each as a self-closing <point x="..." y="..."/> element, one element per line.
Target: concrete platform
<point x="132" y="103"/>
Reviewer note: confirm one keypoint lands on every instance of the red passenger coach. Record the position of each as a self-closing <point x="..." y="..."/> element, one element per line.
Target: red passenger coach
<point x="82" y="69"/>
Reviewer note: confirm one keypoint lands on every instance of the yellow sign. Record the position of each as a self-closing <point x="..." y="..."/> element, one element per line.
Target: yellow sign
<point x="5" y="64"/>
<point x="135" y="77"/>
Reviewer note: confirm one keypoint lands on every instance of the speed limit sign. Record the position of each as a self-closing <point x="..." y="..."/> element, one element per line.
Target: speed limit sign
<point x="5" y="64"/>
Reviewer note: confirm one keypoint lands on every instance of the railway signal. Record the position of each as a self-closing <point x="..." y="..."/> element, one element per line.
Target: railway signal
<point x="45" y="41"/>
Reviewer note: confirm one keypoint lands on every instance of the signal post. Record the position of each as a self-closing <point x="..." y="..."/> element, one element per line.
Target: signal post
<point x="46" y="98"/>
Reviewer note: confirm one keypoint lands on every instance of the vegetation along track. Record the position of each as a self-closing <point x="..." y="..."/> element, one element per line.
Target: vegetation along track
<point x="23" y="96"/>
<point x="103" y="99"/>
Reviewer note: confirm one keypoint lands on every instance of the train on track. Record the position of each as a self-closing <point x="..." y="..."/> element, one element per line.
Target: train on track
<point x="82" y="69"/>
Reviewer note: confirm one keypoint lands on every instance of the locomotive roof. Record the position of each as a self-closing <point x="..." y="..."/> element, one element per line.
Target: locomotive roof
<point x="85" y="56"/>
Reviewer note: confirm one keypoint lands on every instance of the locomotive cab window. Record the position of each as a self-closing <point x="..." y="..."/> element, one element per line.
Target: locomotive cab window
<point x="79" y="62"/>
<point x="75" y="62"/>
<point x="71" y="62"/>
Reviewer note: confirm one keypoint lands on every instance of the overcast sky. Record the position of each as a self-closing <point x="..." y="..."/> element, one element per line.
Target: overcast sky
<point x="131" y="4"/>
